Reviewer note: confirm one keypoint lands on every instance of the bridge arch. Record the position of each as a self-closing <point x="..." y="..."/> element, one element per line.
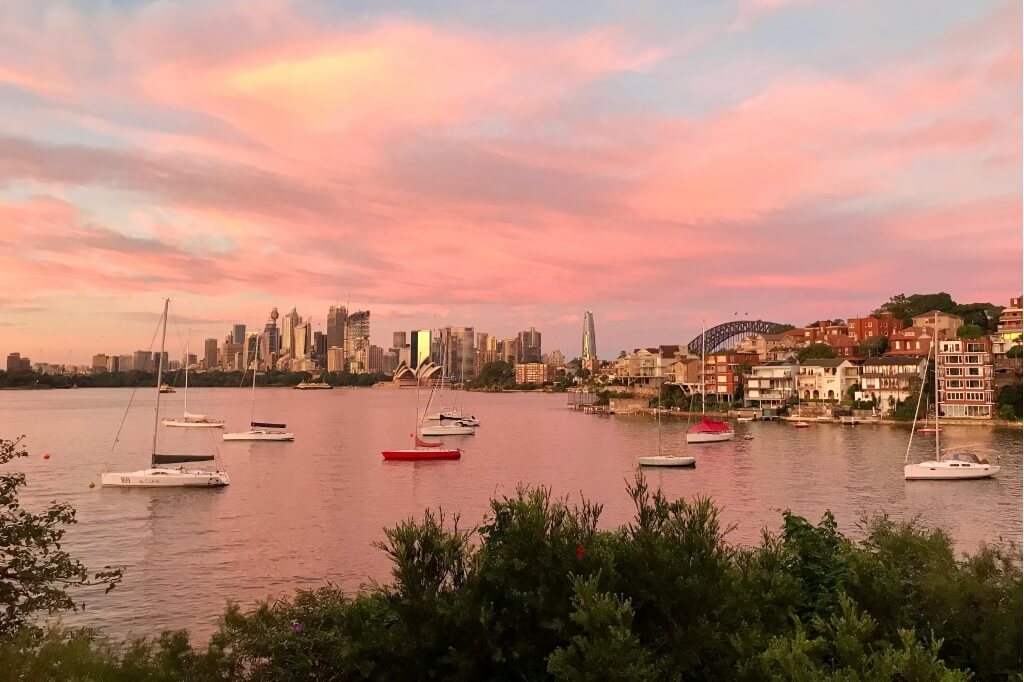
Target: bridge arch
<point x="719" y="336"/>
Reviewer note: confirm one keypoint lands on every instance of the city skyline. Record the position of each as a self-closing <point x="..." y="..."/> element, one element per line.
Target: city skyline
<point x="658" y="167"/>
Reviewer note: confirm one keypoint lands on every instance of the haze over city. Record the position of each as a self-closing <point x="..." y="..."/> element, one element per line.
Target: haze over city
<point x="503" y="168"/>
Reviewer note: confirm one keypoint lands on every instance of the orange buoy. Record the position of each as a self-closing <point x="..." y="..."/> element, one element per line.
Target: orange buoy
<point x="92" y="485"/>
<point x="46" y="455"/>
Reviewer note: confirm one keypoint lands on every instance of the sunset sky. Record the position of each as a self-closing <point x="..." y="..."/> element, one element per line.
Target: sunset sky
<point x="501" y="165"/>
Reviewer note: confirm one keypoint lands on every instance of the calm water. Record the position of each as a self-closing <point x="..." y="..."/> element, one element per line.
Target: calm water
<point x="298" y="514"/>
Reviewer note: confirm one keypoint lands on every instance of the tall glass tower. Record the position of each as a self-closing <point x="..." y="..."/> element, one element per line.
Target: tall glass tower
<point x="589" y="338"/>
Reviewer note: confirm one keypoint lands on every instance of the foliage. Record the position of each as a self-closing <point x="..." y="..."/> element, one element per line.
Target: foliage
<point x="604" y="397"/>
<point x="983" y="315"/>
<point x="816" y="351"/>
<point x="970" y="331"/>
<point x="873" y="347"/>
<point x="36" y="574"/>
<point x="214" y="378"/>
<point x="494" y="376"/>
<point x="1011" y="396"/>
<point x="539" y="591"/>
<point x="779" y="328"/>
<point x="1007" y="412"/>
<point x="1015" y="352"/>
<point x="851" y="392"/>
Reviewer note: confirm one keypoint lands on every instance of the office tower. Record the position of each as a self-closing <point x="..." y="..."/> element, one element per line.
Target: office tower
<point x="336" y="359"/>
<point x="271" y="340"/>
<point x="288" y="324"/>
<point x="99" y="362"/>
<point x="210" y="353"/>
<point x="113" y="364"/>
<point x="232" y="356"/>
<point x="142" y="361"/>
<point x="126" y="363"/>
<point x="528" y="346"/>
<point x="301" y="340"/>
<point x="357" y="334"/>
<point x="375" y="360"/>
<point x="419" y="347"/>
<point x="252" y="348"/>
<point x="555" y="359"/>
<point x="191" y="360"/>
<point x="508" y="351"/>
<point x="336" y="317"/>
<point x="157" y="360"/>
<point x="16" y="363"/>
<point x="238" y="333"/>
<point x="460" y="352"/>
<point x="320" y="348"/>
<point x="589" y="338"/>
<point x="398" y="340"/>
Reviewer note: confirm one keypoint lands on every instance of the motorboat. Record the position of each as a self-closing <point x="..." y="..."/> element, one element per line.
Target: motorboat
<point x="456" y="429"/>
<point x="312" y="385"/>
<point x="164" y="388"/>
<point x="801" y="425"/>
<point x="744" y="419"/>
<point x="666" y="461"/>
<point x="195" y="421"/>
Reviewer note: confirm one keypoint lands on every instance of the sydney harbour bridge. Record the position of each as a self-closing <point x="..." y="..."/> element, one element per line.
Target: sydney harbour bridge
<point x="729" y="334"/>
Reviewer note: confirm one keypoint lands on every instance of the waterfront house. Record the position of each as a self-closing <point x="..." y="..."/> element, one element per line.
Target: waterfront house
<point x="945" y="323"/>
<point x="842" y="345"/>
<point x="723" y="372"/>
<point x="827" y="378"/>
<point x="770" y="384"/>
<point x="883" y="324"/>
<point x="966" y="378"/>
<point x="913" y="341"/>
<point x="891" y="379"/>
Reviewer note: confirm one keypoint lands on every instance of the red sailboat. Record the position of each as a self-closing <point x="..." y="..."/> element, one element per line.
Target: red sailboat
<point x="422" y="450"/>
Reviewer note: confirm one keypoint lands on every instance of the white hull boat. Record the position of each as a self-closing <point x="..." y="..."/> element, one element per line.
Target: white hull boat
<point x="159" y="474"/>
<point x="949" y="470"/>
<point x="666" y="461"/>
<point x="166" y="477"/>
<point x="259" y="434"/>
<point x="195" y="422"/>
<point x="710" y="437"/>
<point x="454" y="430"/>
<point x="313" y="386"/>
<point x="744" y="419"/>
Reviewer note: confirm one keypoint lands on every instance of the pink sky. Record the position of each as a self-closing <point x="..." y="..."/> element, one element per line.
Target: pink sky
<point x="788" y="160"/>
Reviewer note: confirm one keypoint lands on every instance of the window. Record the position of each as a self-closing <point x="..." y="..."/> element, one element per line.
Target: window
<point x="954" y="371"/>
<point x="974" y="371"/>
<point x="976" y="347"/>
<point x="955" y="383"/>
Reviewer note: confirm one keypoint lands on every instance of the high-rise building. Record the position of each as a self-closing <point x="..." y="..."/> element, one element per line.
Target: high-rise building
<point x="336" y="317"/>
<point x="357" y="334"/>
<point x="210" y="353"/>
<point x="965" y="370"/>
<point x="461" y="352"/>
<point x="336" y="359"/>
<point x="114" y="364"/>
<point x="555" y="359"/>
<point x="99" y="362"/>
<point x="398" y="340"/>
<point x="238" y="333"/>
<point x="191" y="360"/>
<point x="419" y="347"/>
<point x="142" y="361"/>
<point x="232" y="356"/>
<point x="375" y="360"/>
<point x="16" y="363"/>
<point x="271" y="339"/>
<point x="589" y="337"/>
<point x="301" y="340"/>
<point x="508" y="350"/>
<point x="288" y="324"/>
<point x="390" y="362"/>
<point x="528" y="346"/>
<point x="159" y="360"/>
<point x="252" y="349"/>
<point x="319" y="352"/>
<point x="126" y="363"/>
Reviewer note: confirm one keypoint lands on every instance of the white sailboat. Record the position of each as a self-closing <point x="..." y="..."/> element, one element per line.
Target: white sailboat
<point x="661" y="460"/>
<point x="158" y="476"/>
<point x="188" y="420"/>
<point x="952" y="465"/>
<point x="260" y="431"/>
<point x="708" y="430"/>
<point x="449" y="425"/>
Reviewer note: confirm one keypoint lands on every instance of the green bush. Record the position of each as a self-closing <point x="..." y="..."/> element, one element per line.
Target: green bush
<point x="1007" y="412"/>
<point x="539" y="591"/>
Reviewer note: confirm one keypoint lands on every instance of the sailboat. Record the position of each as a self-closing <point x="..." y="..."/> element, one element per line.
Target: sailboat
<point x="446" y="427"/>
<point x="195" y="421"/>
<point x="661" y="460"/>
<point x="708" y="430"/>
<point x="957" y="465"/>
<point x="422" y="450"/>
<point x="267" y="431"/>
<point x="158" y="476"/>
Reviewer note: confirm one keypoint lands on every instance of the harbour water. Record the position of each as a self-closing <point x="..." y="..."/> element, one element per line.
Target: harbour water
<point x="304" y="513"/>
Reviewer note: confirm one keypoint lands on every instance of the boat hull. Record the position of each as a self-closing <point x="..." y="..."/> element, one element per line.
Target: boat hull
<point x="260" y="435"/>
<point x="710" y="437"/>
<point x="666" y="461"/>
<point x="166" y="477"/>
<point x="948" y="471"/>
<point x="180" y="423"/>
<point x="447" y="431"/>
<point x="420" y="455"/>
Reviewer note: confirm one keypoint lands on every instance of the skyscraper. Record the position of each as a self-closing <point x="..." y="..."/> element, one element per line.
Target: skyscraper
<point x="528" y="346"/>
<point x="336" y="317"/>
<point x="271" y="341"/>
<point x="398" y="340"/>
<point x="589" y="338"/>
<point x="419" y="348"/>
<point x="238" y="333"/>
<point x="210" y="353"/>
<point x="461" y="352"/>
<point x="288" y="324"/>
<point x="357" y="334"/>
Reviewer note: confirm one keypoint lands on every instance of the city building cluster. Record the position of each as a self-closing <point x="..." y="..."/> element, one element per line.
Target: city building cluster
<point x="765" y="370"/>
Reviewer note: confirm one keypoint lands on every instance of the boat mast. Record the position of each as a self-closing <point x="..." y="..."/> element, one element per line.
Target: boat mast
<point x="255" y="366"/>
<point x="188" y="336"/>
<point x="159" y="379"/>
<point x="935" y="344"/>
<point x="703" y="367"/>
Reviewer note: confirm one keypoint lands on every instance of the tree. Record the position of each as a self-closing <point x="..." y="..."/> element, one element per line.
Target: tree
<point x="36" y="574"/>
<point x="1015" y="352"/>
<point x="622" y="354"/>
<point x="851" y="392"/>
<point x="1011" y="396"/>
<point x="970" y="331"/>
<point x="494" y="375"/>
<point x="816" y="351"/>
<point x="779" y="328"/>
<point x="1007" y="412"/>
<point x="873" y="347"/>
